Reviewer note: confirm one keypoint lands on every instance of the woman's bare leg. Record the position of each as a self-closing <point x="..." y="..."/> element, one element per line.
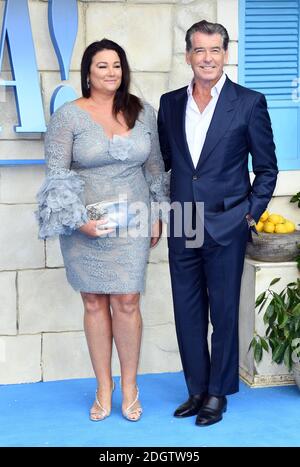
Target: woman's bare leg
<point x="98" y="331"/>
<point x="127" y="331"/>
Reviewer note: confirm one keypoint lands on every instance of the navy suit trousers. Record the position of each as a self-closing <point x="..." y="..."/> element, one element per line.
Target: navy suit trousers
<point x="206" y="282"/>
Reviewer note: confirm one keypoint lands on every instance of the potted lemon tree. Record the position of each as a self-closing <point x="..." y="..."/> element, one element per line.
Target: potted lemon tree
<point x="278" y="240"/>
<point x="282" y="321"/>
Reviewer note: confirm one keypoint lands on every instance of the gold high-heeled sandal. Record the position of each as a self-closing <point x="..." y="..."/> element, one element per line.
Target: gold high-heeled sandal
<point x="131" y="411"/>
<point x="104" y="412"/>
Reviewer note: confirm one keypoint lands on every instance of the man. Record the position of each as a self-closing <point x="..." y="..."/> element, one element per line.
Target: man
<point x="207" y="131"/>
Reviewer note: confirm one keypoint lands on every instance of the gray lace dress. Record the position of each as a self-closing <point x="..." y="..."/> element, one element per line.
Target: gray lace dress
<point x="84" y="166"/>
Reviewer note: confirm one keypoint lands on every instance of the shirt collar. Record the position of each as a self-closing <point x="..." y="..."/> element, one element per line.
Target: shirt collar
<point x="215" y="90"/>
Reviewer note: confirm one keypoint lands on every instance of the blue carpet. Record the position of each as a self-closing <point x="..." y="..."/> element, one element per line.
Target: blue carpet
<point x="56" y="414"/>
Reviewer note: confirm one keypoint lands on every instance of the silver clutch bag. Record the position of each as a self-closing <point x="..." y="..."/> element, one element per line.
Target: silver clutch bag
<point x="115" y="212"/>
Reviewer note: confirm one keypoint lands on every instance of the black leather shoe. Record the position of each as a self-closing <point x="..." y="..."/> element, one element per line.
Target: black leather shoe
<point x="212" y="410"/>
<point x="191" y="406"/>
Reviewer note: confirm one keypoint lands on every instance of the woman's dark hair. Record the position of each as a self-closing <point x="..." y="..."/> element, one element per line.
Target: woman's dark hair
<point x="125" y="102"/>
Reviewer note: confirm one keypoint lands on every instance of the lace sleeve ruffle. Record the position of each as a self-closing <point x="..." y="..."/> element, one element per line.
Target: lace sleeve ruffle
<point x="154" y="171"/>
<point x="60" y="209"/>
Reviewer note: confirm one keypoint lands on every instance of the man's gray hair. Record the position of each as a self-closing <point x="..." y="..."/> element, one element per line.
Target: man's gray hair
<point x="206" y="28"/>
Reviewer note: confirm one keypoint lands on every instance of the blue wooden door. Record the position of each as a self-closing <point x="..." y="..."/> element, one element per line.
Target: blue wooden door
<point x="269" y="63"/>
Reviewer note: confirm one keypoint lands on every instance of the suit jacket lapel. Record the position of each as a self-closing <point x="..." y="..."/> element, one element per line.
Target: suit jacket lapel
<point x="221" y="120"/>
<point x="179" y="126"/>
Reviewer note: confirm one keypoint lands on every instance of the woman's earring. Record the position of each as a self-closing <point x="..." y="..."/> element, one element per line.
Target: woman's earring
<point x="88" y="83"/>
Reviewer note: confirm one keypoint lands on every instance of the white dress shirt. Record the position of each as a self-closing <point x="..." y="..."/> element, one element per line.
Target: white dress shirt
<point x="197" y="123"/>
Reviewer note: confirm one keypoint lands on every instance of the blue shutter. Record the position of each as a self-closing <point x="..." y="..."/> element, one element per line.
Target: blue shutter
<point x="269" y="63"/>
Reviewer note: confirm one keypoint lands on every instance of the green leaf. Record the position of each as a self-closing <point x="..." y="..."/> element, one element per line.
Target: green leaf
<point x="278" y="299"/>
<point x="276" y="279"/>
<point x="252" y="344"/>
<point x="273" y="344"/>
<point x="287" y="359"/>
<point x="269" y="313"/>
<point x="291" y="296"/>
<point x="295" y="198"/>
<point x="259" y="299"/>
<point x="296" y="310"/>
<point x="264" y="344"/>
<point x="272" y="321"/>
<point x="258" y="352"/>
<point x="262" y="305"/>
<point x="280" y="317"/>
<point x="270" y="309"/>
<point x="284" y="321"/>
<point x="279" y="352"/>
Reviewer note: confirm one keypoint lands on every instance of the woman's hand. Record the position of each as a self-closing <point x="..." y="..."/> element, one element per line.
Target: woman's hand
<point x="156" y="233"/>
<point x="95" y="229"/>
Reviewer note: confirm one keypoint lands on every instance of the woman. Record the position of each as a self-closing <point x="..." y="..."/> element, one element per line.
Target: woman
<point x="99" y="147"/>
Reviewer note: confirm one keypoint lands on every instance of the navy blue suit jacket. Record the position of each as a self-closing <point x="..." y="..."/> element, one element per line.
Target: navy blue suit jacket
<point x="240" y="125"/>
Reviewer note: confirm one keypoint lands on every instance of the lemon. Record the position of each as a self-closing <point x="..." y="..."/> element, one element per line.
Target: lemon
<point x="281" y="228"/>
<point x="264" y="216"/>
<point x="269" y="227"/>
<point x="276" y="219"/>
<point x="289" y="226"/>
<point x="259" y="226"/>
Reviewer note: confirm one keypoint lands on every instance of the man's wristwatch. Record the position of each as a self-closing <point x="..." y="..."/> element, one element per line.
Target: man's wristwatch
<point x="250" y="220"/>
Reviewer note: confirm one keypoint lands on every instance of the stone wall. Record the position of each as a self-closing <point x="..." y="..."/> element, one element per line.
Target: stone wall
<point x="41" y="333"/>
